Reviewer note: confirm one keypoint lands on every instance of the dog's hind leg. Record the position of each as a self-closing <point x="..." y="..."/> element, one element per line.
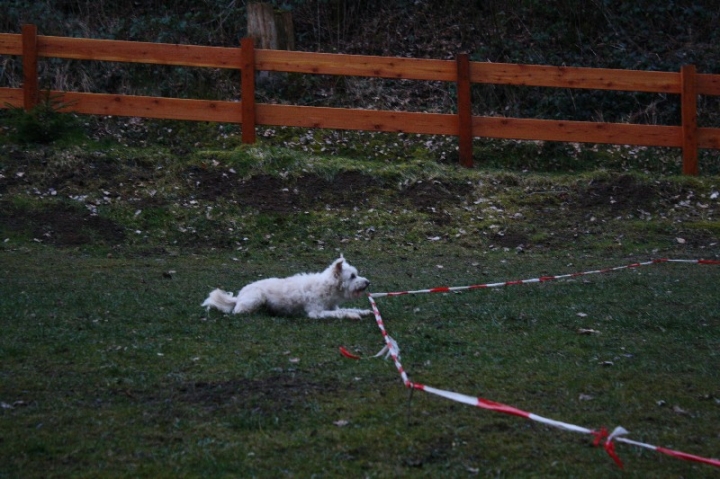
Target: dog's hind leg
<point x="248" y="300"/>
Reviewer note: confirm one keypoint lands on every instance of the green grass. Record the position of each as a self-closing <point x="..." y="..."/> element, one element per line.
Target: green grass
<point x="113" y="369"/>
<point x="110" y="367"/>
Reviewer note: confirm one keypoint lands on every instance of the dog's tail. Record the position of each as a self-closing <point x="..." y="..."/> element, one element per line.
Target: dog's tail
<point x="221" y="300"/>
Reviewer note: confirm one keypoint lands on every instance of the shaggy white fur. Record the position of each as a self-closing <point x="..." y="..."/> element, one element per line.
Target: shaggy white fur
<point x="318" y="295"/>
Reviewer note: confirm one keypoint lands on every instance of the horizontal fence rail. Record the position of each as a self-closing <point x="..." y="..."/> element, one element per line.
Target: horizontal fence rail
<point x="686" y="83"/>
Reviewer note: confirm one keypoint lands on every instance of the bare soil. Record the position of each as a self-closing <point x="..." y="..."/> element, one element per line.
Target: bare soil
<point x="61" y="225"/>
<point x="347" y="189"/>
<point x="526" y="210"/>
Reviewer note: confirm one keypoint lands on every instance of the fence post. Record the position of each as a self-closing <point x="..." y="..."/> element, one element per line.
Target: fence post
<point x="30" y="66"/>
<point x="247" y="89"/>
<point x="465" y="134"/>
<point x="688" y="101"/>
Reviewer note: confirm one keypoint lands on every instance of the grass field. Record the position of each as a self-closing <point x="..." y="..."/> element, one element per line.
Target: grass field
<point x="110" y="367"/>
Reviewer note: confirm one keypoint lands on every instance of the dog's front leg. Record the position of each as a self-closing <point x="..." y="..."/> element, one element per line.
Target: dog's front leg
<point x="335" y="313"/>
<point x="361" y="312"/>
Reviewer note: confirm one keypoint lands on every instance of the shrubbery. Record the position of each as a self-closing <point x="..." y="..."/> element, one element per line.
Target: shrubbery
<point x="644" y="34"/>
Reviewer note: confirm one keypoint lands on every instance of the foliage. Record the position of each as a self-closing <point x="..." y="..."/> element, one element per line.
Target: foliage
<point x="643" y="35"/>
<point x="44" y="123"/>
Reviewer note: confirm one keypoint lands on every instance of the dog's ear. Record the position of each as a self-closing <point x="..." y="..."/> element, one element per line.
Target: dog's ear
<point x="338" y="267"/>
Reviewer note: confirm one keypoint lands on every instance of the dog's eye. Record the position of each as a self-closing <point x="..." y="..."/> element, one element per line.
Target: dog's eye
<point x="352" y="276"/>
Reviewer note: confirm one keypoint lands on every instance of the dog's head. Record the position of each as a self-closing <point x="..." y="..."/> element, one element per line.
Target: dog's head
<point x="349" y="281"/>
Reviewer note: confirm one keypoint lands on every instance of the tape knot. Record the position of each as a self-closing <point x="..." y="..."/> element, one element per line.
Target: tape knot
<point x="599" y="436"/>
<point x="610" y="445"/>
<point x="391" y="348"/>
<point x="603" y="437"/>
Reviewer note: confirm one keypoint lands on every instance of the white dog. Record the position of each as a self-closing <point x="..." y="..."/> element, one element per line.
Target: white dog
<point x="316" y="294"/>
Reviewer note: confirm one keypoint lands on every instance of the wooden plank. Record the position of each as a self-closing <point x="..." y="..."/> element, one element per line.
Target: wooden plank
<point x="465" y="136"/>
<point x="150" y="107"/>
<point x="10" y="44"/>
<point x="30" y="67"/>
<point x="577" y="131"/>
<point x="11" y="98"/>
<point x="355" y="65"/>
<point x="349" y="119"/>
<point x="708" y="84"/>
<point x="689" y="120"/>
<point x="709" y="138"/>
<point x="247" y="89"/>
<point x="139" y="52"/>
<point x="687" y="82"/>
<point x="575" y="77"/>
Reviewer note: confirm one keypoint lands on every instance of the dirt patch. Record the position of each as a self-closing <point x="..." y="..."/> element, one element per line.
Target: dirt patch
<point x="623" y="193"/>
<point x="433" y="194"/>
<point x="277" y="392"/>
<point x="510" y="239"/>
<point x="290" y="195"/>
<point x="277" y="195"/>
<point x="60" y="225"/>
<point x="99" y="174"/>
<point x="346" y="189"/>
<point x="433" y="197"/>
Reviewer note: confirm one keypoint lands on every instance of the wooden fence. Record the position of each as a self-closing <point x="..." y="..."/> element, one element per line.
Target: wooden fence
<point x="687" y="83"/>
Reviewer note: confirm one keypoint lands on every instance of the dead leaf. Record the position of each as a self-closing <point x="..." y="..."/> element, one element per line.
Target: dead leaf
<point x="588" y="331"/>
<point x="341" y="422"/>
<point x="679" y="410"/>
<point x="585" y="397"/>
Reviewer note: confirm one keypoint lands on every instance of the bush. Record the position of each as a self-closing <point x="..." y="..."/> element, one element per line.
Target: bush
<point x="43" y="123"/>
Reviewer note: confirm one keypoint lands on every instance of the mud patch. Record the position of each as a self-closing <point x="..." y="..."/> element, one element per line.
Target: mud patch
<point x="254" y="403"/>
<point x="433" y="194"/>
<point x="347" y="189"/>
<point x="271" y="194"/>
<point x="510" y="239"/>
<point x="624" y="193"/>
<point x="269" y="393"/>
<point x="60" y="225"/>
<point x="433" y="197"/>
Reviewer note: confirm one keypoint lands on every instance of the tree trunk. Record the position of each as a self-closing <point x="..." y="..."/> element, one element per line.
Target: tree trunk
<point x="270" y="29"/>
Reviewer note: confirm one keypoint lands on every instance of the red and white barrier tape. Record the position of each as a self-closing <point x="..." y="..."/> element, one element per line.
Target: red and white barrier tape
<point x="601" y="436"/>
<point x="543" y="279"/>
